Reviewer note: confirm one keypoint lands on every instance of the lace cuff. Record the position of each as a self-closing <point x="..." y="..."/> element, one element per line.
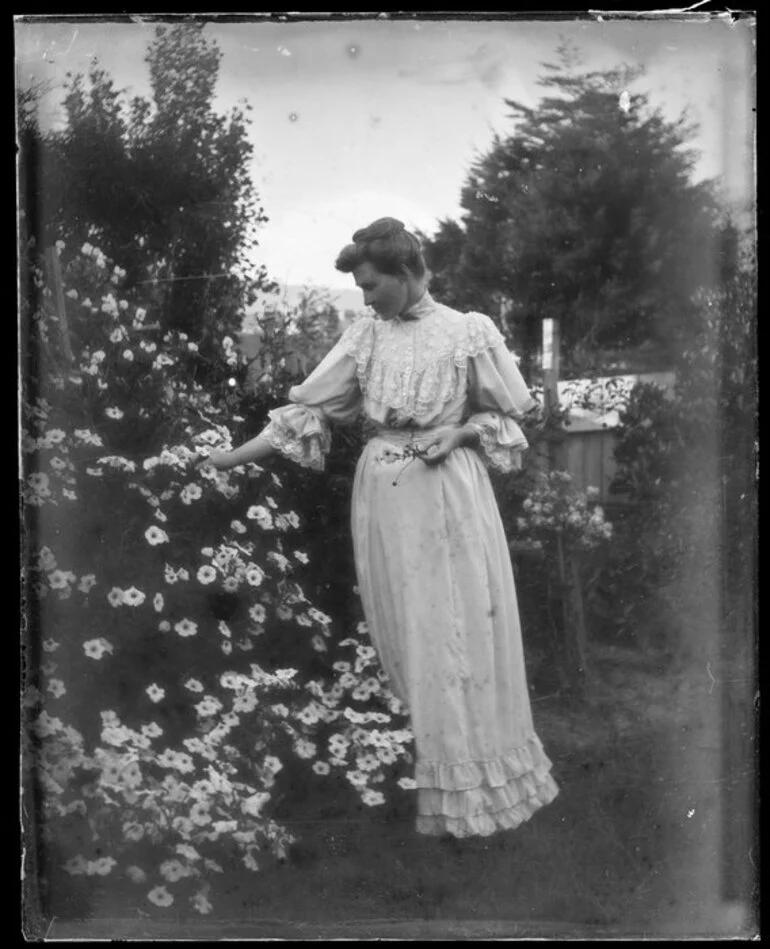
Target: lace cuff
<point x="501" y="441"/>
<point x="300" y="434"/>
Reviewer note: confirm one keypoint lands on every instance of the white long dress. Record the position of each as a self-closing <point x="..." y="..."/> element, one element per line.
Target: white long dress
<point x="432" y="561"/>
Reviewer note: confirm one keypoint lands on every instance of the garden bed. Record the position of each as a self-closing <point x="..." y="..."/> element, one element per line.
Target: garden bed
<point x="596" y="857"/>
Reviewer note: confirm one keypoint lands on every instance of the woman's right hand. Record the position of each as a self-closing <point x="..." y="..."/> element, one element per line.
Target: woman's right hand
<point x="221" y="460"/>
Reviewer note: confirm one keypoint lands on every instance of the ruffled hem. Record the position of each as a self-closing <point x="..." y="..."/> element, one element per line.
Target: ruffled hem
<point x="298" y="433"/>
<point x="483" y="823"/>
<point x="529" y="758"/>
<point x="481" y="797"/>
<point x="501" y="441"/>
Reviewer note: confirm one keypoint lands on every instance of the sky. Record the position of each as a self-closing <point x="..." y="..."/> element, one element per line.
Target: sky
<point x="358" y="119"/>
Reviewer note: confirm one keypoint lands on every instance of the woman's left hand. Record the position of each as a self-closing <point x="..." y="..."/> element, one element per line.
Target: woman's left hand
<point x="441" y="447"/>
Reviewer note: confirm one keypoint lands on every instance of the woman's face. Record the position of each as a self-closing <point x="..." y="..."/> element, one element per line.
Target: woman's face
<point x="386" y="294"/>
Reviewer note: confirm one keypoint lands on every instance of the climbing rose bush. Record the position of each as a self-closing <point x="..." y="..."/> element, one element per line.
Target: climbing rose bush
<point x="168" y="696"/>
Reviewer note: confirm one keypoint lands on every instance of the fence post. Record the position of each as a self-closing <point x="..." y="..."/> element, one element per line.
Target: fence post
<point x="570" y="587"/>
<point x="54" y="274"/>
<point x="551" y="345"/>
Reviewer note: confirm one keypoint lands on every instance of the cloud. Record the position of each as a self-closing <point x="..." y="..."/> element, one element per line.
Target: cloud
<point x="485" y="65"/>
<point x="489" y="62"/>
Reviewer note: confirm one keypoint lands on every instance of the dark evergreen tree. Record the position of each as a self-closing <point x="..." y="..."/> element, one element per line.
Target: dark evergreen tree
<point x="162" y="185"/>
<point x="587" y="212"/>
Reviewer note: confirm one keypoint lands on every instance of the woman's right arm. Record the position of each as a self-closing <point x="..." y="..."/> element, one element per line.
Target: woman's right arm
<point x="300" y="430"/>
<point x="255" y="450"/>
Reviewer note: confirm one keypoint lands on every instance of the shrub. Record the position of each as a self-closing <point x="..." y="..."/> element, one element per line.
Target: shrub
<point x="685" y="459"/>
<point x="180" y="677"/>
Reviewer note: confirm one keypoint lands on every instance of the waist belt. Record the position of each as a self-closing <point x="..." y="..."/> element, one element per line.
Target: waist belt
<point x="410" y="434"/>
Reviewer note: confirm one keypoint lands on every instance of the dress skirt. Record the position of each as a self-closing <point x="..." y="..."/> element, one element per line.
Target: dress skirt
<point x="438" y="593"/>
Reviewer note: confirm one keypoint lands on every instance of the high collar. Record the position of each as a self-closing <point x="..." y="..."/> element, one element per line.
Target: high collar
<point x="426" y="304"/>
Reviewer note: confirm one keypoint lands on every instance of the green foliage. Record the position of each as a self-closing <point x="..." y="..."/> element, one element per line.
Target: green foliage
<point x="290" y="339"/>
<point x="677" y="457"/>
<point x="586" y="213"/>
<point x="181" y="684"/>
<point x="162" y="182"/>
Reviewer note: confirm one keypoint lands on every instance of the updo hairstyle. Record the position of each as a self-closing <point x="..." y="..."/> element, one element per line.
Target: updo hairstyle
<point x="387" y="245"/>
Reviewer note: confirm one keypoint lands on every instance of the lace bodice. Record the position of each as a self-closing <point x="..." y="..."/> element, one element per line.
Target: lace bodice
<point x="414" y="367"/>
<point x="432" y="366"/>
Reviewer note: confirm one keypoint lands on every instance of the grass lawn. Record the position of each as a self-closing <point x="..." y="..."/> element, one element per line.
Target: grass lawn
<point x="599" y="856"/>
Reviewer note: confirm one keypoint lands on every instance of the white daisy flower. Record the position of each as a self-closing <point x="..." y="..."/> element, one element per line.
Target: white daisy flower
<point x="253" y="805"/>
<point x="261" y="515"/>
<point x="155" y="536"/>
<point x="160" y="896"/>
<point x="201" y="903"/>
<point x="186" y="627"/>
<point x="199" y="813"/>
<point x="155" y="692"/>
<point x="96" y="648"/>
<point x="87" y="582"/>
<point x="305" y="748"/>
<point x="208" y="706"/>
<point x="206" y="574"/>
<point x="115" y="597"/>
<point x="358" y="779"/>
<point x="133" y="597"/>
<point x="56" y="687"/>
<point x="60" y="579"/>
<point x="372" y="798"/>
<point x="173" y="870"/>
<point x="39" y="481"/>
<point x="133" y="831"/>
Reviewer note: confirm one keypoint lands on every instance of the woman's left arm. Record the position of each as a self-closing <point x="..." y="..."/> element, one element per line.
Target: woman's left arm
<point x="443" y="446"/>
<point x="497" y="397"/>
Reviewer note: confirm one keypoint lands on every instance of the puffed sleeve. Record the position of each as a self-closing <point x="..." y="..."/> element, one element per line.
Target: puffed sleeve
<point x="497" y="396"/>
<point x="331" y="393"/>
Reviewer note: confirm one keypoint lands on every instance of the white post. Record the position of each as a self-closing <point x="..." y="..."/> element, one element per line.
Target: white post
<point x="551" y="360"/>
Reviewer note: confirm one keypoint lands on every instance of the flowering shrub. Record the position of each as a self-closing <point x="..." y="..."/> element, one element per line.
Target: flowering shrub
<point x="555" y="509"/>
<point x="171" y="706"/>
<point x="570" y="530"/>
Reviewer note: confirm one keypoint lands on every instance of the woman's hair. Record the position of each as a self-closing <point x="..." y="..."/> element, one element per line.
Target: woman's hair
<point x="387" y="245"/>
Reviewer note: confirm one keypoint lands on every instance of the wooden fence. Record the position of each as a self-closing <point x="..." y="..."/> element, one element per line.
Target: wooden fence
<point x="587" y="453"/>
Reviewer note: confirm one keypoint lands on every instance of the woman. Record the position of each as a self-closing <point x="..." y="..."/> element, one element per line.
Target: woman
<point x="433" y="566"/>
